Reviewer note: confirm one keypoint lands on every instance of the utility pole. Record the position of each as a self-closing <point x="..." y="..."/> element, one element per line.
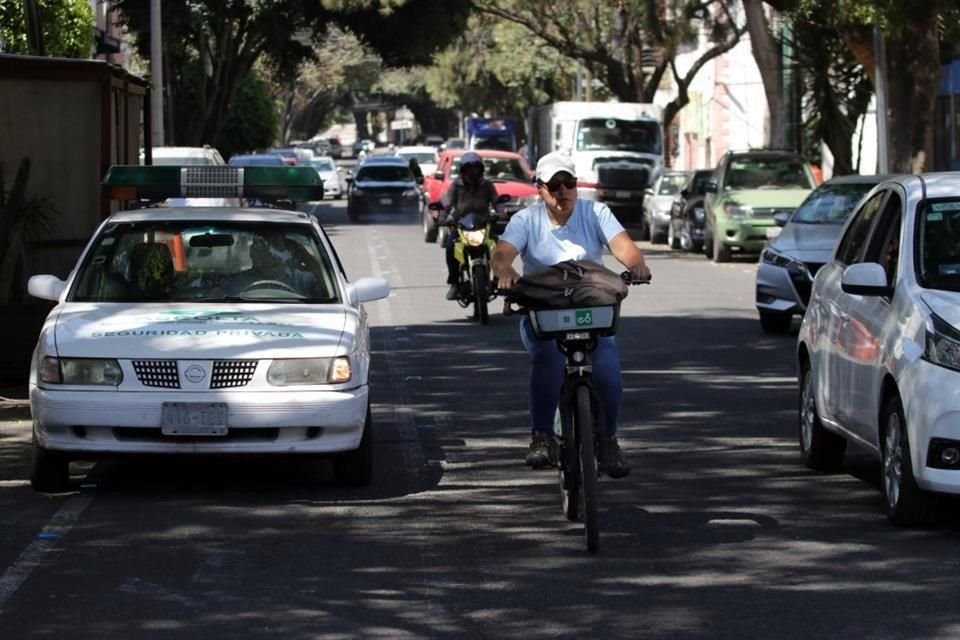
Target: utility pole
<point x="156" y="75"/>
<point x="880" y="54"/>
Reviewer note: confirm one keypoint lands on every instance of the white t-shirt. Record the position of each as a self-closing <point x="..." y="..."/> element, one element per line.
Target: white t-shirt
<point x="543" y="244"/>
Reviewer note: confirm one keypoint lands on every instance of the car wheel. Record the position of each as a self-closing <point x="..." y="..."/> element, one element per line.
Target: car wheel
<point x="644" y="228"/>
<point x="819" y="448"/>
<point x="720" y="252"/>
<point x="430" y="228"/>
<point x="672" y="238"/>
<point x="775" y="323"/>
<point x="355" y="468"/>
<point x="708" y="245"/>
<point x="442" y="234"/>
<point x="906" y="503"/>
<point x="50" y="471"/>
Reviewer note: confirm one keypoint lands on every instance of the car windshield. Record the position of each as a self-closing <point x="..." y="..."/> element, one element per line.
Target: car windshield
<point x="385" y="173"/>
<point x="497" y="169"/>
<point x="190" y="261"/>
<point x="767" y="173"/>
<point x="671" y="184"/>
<point x="642" y="136"/>
<point x="183" y="161"/>
<point x="323" y="165"/>
<point x="422" y="157"/>
<point x="831" y="203"/>
<point x="938" y="245"/>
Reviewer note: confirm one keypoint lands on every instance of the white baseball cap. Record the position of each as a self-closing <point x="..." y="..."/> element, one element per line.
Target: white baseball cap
<point x="552" y="164"/>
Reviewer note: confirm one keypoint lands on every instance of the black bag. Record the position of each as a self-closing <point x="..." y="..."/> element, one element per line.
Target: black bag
<point x="572" y="283"/>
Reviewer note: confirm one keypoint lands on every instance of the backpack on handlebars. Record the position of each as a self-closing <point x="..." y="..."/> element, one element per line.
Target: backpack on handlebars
<point x="571" y="283"/>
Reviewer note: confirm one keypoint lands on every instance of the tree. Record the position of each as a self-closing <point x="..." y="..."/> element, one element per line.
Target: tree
<point x="252" y="121"/>
<point x="225" y="38"/>
<point x="630" y="45"/>
<point x="65" y="26"/>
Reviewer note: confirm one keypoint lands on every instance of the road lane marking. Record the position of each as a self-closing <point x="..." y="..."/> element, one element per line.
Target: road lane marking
<point x="47" y="540"/>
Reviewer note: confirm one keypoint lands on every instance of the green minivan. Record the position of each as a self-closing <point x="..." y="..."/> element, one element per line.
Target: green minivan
<point x="748" y="189"/>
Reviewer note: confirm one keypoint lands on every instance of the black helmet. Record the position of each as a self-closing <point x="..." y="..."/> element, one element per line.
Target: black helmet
<point x="471" y="158"/>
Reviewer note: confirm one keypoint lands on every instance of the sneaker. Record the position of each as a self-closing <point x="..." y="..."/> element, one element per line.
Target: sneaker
<point x="452" y="292"/>
<point x="543" y="451"/>
<point x="617" y="465"/>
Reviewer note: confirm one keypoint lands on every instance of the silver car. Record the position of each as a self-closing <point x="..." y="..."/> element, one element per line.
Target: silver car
<point x="657" y="202"/>
<point x="334" y="184"/>
<point x="789" y="263"/>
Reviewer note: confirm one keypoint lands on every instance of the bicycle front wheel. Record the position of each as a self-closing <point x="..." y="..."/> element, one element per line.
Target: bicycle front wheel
<point x="588" y="469"/>
<point x="568" y="468"/>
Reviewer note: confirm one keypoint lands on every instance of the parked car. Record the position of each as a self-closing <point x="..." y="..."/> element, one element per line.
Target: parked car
<point x="204" y="331"/>
<point x="687" y="216"/>
<point x="204" y="156"/>
<point x="426" y="157"/>
<point x="657" y="203"/>
<point x="289" y="155"/>
<point x="434" y="141"/>
<point x="879" y="348"/>
<point x="334" y="184"/>
<point x="256" y="159"/>
<point x="790" y="262"/>
<point x="383" y="184"/>
<point x="509" y="172"/>
<point x="747" y="190"/>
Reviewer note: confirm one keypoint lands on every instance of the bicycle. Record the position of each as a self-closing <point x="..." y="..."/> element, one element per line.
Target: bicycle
<point x="581" y="459"/>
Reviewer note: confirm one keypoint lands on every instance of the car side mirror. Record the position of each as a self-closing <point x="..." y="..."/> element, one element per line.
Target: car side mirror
<point x="684" y="194"/>
<point x="438" y="175"/>
<point x="781" y="219"/>
<point x="46" y="287"/>
<point x="710" y="187"/>
<point x="648" y="191"/>
<point x="865" y="279"/>
<point x="419" y="180"/>
<point x="368" y="289"/>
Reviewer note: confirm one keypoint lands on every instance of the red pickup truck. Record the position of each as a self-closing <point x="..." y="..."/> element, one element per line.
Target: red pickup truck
<point x="509" y="172"/>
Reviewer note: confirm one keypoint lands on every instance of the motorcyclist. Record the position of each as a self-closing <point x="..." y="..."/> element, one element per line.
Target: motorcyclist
<point x="470" y="192"/>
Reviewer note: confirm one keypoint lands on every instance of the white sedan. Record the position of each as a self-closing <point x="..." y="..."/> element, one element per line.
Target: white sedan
<point x="879" y="347"/>
<point x="204" y="330"/>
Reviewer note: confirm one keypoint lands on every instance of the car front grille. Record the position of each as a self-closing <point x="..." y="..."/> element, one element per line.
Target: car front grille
<point x="164" y="374"/>
<point x="157" y="373"/>
<point x="619" y="177"/>
<point x="232" y="373"/>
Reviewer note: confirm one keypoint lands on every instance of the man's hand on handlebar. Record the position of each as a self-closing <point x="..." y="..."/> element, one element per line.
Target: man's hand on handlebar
<point x="640" y="273"/>
<point x="507" y="278"/>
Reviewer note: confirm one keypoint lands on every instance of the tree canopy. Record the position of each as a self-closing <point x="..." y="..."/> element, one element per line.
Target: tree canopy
<point x="64" y="24"/>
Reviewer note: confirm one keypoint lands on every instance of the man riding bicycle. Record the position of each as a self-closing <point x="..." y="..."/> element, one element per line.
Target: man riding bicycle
<point x="559" y="228"/>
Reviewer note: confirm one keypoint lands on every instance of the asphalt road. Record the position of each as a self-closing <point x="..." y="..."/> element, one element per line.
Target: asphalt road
<point x="719" y="532"/>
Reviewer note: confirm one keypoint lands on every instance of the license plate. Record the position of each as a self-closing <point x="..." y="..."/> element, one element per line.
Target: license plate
<point x="386" y="200"/>
<point x="194" y="418"/>
<point x="623" y="195"/>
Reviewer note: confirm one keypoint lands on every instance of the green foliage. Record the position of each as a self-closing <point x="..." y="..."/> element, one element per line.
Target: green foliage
<point x="252" y="121"/>
<point x="67" y="27"/>
<point x="22" y="218"/>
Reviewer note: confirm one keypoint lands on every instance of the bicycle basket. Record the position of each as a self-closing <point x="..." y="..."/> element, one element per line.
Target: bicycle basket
<point x="600" y="320"/>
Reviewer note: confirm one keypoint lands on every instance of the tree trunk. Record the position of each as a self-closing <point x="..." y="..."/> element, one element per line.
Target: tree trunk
<point x="765" y="53"/>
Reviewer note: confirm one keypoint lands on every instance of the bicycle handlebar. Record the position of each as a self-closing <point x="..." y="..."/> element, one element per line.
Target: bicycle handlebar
<point x="508" y="310"/>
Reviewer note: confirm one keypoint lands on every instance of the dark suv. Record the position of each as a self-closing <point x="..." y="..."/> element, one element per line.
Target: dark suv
<point x="748" y="188"/>
<point x="383" y="184"/>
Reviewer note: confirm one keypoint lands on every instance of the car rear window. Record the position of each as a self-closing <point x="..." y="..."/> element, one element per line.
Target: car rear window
<point x="385" y="173"/>
<point x="191" y="261"/>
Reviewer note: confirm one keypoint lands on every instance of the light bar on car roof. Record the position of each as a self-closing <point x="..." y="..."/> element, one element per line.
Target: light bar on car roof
<point x="151" y="182"/>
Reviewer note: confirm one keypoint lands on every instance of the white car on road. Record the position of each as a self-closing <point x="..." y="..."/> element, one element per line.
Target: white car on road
<point x="879" y="347"/>
<point x="204" y="330"/>
<point x="334" y="183"/>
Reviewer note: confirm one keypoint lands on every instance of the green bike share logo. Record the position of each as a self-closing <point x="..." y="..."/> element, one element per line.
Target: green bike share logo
<point x="584" y="318"/>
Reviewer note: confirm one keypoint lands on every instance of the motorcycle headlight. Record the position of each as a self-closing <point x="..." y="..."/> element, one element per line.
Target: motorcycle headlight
<point x="736" y="211"/>
<point x="777" y="259"/>
<point x="296" y="371"/>
<point x="699" y="214"/>
<point x="942" y="344"/>
<point x="475" y="238"/>
<point x="81" y="371"/>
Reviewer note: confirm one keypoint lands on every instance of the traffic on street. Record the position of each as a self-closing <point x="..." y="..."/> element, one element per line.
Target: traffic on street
<point x="719" y="531"/>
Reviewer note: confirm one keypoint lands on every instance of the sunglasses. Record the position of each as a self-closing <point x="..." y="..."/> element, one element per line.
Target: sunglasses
<point x="554" y="184"/>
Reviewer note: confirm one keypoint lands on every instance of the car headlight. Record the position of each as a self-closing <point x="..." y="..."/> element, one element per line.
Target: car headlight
<point x="80" y="371"/>
<point x="411" y="193"/>
<point x="699" y="214"/>
<point x="295" y="371"/>
<point x="942" y="344"/>
<point x="475" y="238"/>
<point x="527" y="201"/>
<point x="736" y="211"/>
<point x="777" y="259"/>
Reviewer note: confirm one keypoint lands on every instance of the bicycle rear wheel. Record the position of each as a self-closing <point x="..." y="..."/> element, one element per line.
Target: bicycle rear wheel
<point x="588" y="468"/>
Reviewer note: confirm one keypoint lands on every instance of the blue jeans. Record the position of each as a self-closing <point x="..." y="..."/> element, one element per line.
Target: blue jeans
<point x="546" y="376"/>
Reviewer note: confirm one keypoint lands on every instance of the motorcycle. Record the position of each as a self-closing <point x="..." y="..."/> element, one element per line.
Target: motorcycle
<point x="472" y="250"/>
